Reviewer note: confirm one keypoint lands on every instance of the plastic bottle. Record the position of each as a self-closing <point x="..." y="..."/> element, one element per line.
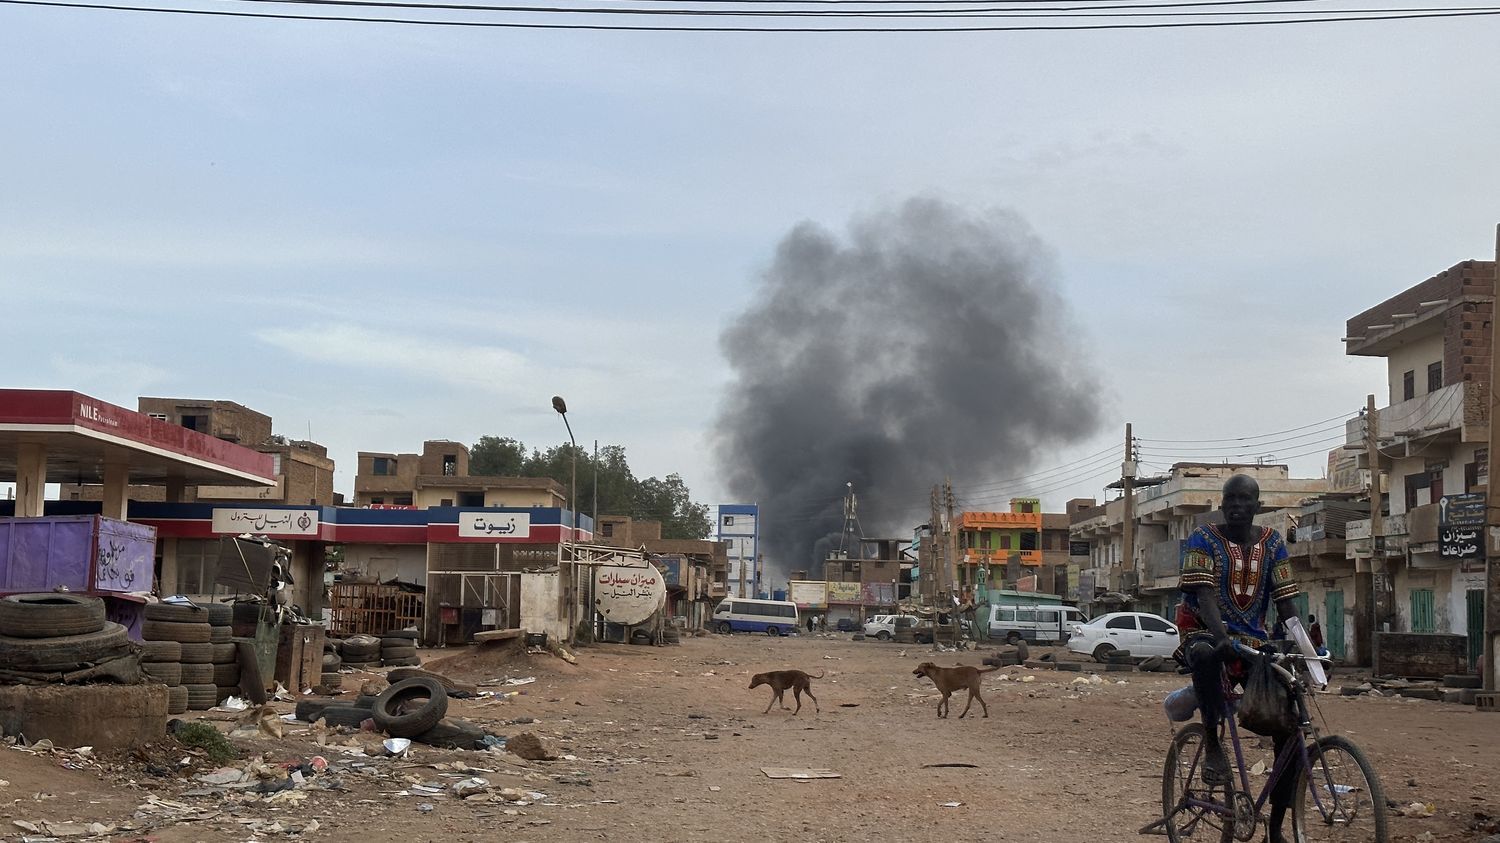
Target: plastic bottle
<point x="1181" y="704"/>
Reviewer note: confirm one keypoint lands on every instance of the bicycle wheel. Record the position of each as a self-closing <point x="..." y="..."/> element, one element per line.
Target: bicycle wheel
<point x="1182" y="787"/>
<point x="1339" y="797"/>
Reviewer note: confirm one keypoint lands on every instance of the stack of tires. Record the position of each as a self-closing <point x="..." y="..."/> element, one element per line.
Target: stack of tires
<point x="350" y="715"/>
<point x="361" y="652"/>
<point x="53" y="633"/>
<point x="903" y="631"/>
<point x="331" y="664"/>
<point x="226" y="659"/>
<point x="189" y="628"/>
<point x="161" y="662"/>
<point x="398" y="648"/>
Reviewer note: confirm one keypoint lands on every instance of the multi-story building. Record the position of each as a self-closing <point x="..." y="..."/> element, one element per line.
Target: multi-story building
<point x="439" y="476"/>
<point x="696" y="570"/>
<point x="738" y="526"/>
<point x="1006" y="544"/>
<point x="1166" y="511"/>
<point x="1431" y="439"/>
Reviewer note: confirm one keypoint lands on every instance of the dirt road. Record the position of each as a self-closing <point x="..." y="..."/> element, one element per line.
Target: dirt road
<point x="669" y="744"/>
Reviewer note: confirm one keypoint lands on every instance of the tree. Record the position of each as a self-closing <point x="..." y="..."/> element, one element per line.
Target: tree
<point x="670" y="502"/>
<point x="494" y="456"/>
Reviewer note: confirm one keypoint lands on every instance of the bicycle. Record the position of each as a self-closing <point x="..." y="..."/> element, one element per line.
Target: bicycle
<point x="1338" y="794"/>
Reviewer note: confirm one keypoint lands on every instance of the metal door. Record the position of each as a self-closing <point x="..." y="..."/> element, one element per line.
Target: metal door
<point x="1423" y="616"/>
<point x="1333" y="624"/>
<point x="1474" y="600"/>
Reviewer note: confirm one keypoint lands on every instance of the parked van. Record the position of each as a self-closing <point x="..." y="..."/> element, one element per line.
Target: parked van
<point x="739" y="614"/>
<point x="1040" y="624"/>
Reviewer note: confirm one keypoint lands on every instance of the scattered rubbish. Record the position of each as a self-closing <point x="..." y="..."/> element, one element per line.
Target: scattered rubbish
<point x="1420" y="810"/>
<point x="425" y="807"/>
<point x="223" y="776"/>
<point x="952" y="805"/>
<point x="1259" y="769"/>
<point x="470" y="787"/>
<point x="798" y="773"/>
<point x="1028" y="678"/>
<point x="396" y="746"/>
<point x="848" y="705"/>
<point x="713" y="788"/>
<point x="682" y="774"/>
<point x="231" y="704"/>
<point x="526" y="681"/>
<point x="953" y="764"/>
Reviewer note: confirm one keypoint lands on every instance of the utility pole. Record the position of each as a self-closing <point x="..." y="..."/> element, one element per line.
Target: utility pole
<point x="1378" y="583"/>
<point x="950" y="550"/>
<point x="1127" y="482"/>
<point x="1492" y="501"/>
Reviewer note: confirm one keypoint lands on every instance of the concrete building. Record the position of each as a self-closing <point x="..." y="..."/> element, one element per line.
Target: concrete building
<point x="1432" y="438"/>
<point x="866" y="583"/>
<point x="1167" y="510"/>
<point x="439" y="476"/>
<point x="738" y="526"/>
<point x="697" y="570"/>
<point x="1007" y="544"/>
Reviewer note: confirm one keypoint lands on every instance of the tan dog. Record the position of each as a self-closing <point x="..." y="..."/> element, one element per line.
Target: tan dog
<point x="780" y="680"/>
<point x="950" y="679"/>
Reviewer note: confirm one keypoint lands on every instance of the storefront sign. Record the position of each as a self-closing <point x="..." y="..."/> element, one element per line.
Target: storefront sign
<point x="809" y="594"/>
<point x="628" y="595"/>
<point x="266" y="522"/>
<point x="877" y="593"/>
<point x="494" y="525"/>
<point x="1078" y="548"/>
<point x="1460" y="543"/>
<point x="843" y="592"/>
<point x="1466" y="510"/>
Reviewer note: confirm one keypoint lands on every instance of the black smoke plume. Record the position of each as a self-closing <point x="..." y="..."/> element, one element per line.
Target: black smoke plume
<point x="927" y="343"/>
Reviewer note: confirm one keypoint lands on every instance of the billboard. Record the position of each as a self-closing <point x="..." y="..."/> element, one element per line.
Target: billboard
<point x="843" y="592"/>
<point x="809" y="594"/>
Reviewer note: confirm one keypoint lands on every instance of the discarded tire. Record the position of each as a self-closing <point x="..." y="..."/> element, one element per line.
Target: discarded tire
<point x="412" y="662"/>
<point x="64" y="653"/>
<point x="164" y="673"/>
<point x="201" y="697"/>
<point x="161" y="651"/>
<point x="400" y="712"/>
<point x="308" y="710"/>
<point x="226" y="675"/>
<point x="408" y="634"/>
<point x="187" y="633"/>
<point x="224" y="653"/>
<point x="390" y="653"/>
<point x="1463" y="680"/>
<point x="331" y="680"/>
<point x="342" y="714"/>
<point x="396" y="641"/>
<point x="198" y="674"/>
<point x="1151" y="663"/>
<point x="219" y="634"/>
<point x="173" y="613"/>
<point x="177" y="699"/>
<point x="365" y="701"/>
<point x="50" y="615"/>
<point x="452" y="734"/>
<point x="197" y="653"/>
<point x="331" y="663"/>
<point x="220" y="614"/>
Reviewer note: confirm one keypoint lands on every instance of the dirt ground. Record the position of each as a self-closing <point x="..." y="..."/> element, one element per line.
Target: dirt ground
<point x="668" y="743"/>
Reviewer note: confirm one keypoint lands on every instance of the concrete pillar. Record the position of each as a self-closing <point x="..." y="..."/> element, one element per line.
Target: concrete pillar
<point x="167" y="582"/>
<point x="31" y="480"/>
<point x="175" y="486"/>
<point x="116" y="490"/>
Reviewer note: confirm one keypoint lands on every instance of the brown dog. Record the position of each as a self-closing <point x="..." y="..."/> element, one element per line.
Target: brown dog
<point x="780" y="680"/>
<point x="950" y="679"/>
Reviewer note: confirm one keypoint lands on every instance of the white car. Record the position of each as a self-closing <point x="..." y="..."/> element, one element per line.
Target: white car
<point x="1141" y="634"/>
<point x="884" y="626"/>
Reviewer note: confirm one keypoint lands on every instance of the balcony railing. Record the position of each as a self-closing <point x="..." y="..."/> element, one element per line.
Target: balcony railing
<point x="974" y="555"/>
<point x="1421" y="417"/>
<point x="1163" y="560"/>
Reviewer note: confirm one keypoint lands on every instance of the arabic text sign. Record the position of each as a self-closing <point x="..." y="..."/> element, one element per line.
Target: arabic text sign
<point x="843" y="592"/>
<point x="809" y="594"/>
<point x="628" y="595"/>
<point x="877" y="593"/>
<point x="494" y="525"/>
<point x="1466" y="510"/>
<point x="1460" y="543"/>
<point x="270" y="522"/>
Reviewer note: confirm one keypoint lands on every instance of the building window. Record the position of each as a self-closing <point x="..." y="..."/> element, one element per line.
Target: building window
<point x="729" y="520"/>
<point x="450" y="465"/>
<point x="382" y="466"/>
<point x="984" y="540"/>
<point x="1435" y="376"/>
<point x="402" y="500"/>
<point x="275" y="465"/>
<point x="197" y="565"/>
<point x="607" y="529"/>
<point x="471" y="498"/>
<point x="377" y="501"/>
<point x="1029" y="541"/>
<point x="195" y="422"/>
<point x="1005" y="541"/>
<point x="445" y="502"/>
<point x="1409" y="386"/>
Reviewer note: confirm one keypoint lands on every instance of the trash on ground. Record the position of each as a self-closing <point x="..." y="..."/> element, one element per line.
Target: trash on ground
<point x="798" y="773"/>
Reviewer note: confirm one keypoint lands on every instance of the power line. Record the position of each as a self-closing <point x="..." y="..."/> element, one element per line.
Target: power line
<point x="1339" y="417"/>
<point x="1355" y="16"/>
<point x="1106" y="10"/>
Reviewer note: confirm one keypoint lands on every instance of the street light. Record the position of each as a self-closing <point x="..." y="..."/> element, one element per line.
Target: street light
<point x="561" y="407"/>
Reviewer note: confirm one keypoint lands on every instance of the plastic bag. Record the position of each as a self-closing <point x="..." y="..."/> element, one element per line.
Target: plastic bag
<point x="1266" y="707"/>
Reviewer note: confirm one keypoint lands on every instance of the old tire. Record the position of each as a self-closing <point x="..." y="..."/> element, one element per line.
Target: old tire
<point x="172" y="613"/>
<point x="161" y="652"/>
<point x="64" y="653"/>
<point x="407" y="634"/>
<point x="1013" y="638"/>
<point x="220" y="614"/>
<point x="331" y="662"/>
<point x="219" y="634"/>
<point x="224" y="653"/>
<point x="396" y="641"/>
<point x="365" y="701"/>
<point x="197" y="653"/>
<point x="163" y="673"/>
<point x="1463" y="680"/>
<point x="343" y="714"/>
<point x="202" y="697"/>
<point x="1151" y="663"/>
<point x="308" y="710"/>
<point x="331" y="680"/>
<point x="393" y="653"/>
<point x="198" y="674"/>
<point x="226" y="675"/>
<point x="187" y="633"/>
<point x="50" y="615"/>
<point x="177" y="699"/>
<point x="412" y="662"/>
<point x="452" y="734"/>
<point x="400" y="713"/>
<point x="1101" y="652"/>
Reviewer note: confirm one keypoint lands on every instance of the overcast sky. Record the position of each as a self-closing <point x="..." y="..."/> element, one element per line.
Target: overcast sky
<point x="383" y="234"/>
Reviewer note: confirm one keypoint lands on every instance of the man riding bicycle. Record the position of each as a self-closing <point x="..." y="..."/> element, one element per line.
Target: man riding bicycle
<point x="1231" y="576"/>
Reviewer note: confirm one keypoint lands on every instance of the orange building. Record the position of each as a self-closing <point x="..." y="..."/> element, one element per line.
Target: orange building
<point x="995" y="539"/>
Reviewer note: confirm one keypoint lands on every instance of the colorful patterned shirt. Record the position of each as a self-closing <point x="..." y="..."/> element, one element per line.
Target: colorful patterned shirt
<point x="1248" y="580"/>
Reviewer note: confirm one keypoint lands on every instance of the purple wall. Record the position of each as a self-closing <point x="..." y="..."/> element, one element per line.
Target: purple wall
<point x="81" y="553"/>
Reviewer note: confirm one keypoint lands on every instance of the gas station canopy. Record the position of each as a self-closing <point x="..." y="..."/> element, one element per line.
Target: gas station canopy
<point x="68" y="437"/>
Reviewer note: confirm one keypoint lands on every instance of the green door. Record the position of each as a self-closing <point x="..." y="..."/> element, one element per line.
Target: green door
<point x="1423" y="616"/>
<point x="1333" y="624"/>
<point x="1302" y="612"/>
<point x="1474" y="599"/>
